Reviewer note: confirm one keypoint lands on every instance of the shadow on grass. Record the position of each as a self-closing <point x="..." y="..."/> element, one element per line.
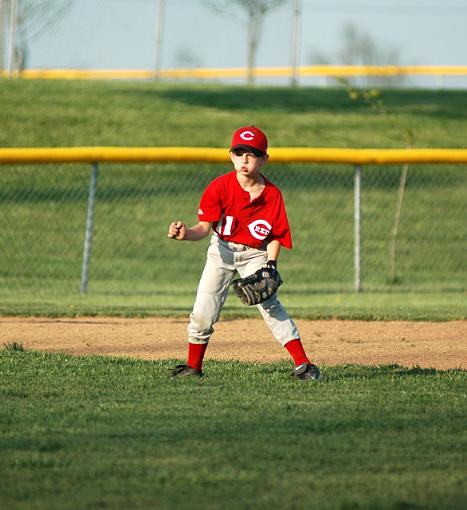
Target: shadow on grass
<point x="376" y="372"/>
<point x="442" y="104"/>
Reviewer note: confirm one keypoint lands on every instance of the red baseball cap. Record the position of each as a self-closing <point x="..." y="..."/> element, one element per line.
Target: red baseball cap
<point x="250" y="138"/>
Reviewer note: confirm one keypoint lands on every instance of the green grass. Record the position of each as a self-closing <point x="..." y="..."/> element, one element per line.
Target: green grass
<point x="101" y="432"/>
<point x="134" y="265"/>
<point x="60" y="113"/>
<point x="415" y="306"/>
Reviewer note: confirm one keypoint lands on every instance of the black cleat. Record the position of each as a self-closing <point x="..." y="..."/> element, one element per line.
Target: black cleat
<point x="186" y="371"/>
<point x="307" y="371"/>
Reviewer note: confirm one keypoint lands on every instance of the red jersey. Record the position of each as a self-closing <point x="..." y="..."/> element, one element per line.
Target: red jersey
<point x="235" y="218"/>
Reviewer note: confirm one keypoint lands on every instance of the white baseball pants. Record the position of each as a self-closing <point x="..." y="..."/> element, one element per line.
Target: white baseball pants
<point x="222" y="262"/>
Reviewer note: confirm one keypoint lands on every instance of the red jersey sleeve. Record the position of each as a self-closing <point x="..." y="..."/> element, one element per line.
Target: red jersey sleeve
<point x="210" y="208"/>
<point x="281" y="229"/>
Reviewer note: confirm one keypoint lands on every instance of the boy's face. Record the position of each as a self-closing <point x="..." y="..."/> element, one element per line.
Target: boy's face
<point x="246" y="163"/>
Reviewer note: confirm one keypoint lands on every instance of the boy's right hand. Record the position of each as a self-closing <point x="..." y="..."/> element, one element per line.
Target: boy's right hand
<point x="177" y="230"/>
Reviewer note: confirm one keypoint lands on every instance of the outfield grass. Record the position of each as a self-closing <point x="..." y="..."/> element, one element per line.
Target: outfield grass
<point x="71" y="113"/>
<point x="413" y="306"/>
<point x="99" y="432"/>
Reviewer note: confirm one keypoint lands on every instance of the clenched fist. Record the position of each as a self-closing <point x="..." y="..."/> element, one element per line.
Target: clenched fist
<point x="177" y="230"/>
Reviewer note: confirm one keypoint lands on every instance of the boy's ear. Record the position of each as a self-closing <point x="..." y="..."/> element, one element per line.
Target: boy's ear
<point x="265" y="158"/>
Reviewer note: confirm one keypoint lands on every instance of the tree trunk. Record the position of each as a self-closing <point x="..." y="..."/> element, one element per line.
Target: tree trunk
<point x="252" y="42"/>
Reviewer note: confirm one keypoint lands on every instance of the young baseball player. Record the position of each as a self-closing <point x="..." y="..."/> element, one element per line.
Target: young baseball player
<point x="247" y="214"/>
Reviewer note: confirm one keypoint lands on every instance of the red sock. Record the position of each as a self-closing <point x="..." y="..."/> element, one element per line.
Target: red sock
<point x="297" y="352"/>
<point x="196" y="355"/>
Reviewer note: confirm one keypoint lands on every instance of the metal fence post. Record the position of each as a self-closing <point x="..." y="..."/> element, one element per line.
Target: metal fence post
<point x="89" y="230"/>
<point x="357" y="225"/>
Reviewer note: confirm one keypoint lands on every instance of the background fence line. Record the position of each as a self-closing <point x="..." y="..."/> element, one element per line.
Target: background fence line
<point x="331" y="71"/>
<point x="217" y="155"/>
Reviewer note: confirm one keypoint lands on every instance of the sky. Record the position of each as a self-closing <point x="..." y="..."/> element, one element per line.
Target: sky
<point x="120" y="34"/>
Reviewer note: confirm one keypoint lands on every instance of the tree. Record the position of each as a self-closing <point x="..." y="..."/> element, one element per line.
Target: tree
<point x="32" y="19"/>
<point x="255" y="11"/>
<point x="360" y="48"/>
<point x="186" y="58"/>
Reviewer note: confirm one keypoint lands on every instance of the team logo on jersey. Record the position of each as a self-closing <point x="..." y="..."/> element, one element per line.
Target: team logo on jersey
<point x="200" y="212"/>
<point x="247" y="135"/>
<point x="260" y="229"/>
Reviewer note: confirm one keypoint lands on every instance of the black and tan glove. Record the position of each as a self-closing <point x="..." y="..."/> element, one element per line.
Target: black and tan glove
<point x="259" y="286"/>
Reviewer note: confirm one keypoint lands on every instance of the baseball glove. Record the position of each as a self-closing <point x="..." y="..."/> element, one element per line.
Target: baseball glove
<point x="259" y="286"/>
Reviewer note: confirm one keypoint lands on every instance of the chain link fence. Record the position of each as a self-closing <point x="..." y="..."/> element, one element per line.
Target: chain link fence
<point x="420" y="245"/>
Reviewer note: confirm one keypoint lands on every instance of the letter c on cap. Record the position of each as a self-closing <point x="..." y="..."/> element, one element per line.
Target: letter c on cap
<point x="247" y="135"/>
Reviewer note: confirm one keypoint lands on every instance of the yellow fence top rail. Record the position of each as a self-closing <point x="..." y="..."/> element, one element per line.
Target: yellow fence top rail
<point x="240" y="72"/>
<point x="211" y="155"/>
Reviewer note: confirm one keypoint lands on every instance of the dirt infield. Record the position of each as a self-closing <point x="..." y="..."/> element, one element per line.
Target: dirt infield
<point x="439" y="345"/>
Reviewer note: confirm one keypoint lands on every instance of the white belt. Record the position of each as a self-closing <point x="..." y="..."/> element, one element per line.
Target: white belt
<point x="234" y="246"/>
